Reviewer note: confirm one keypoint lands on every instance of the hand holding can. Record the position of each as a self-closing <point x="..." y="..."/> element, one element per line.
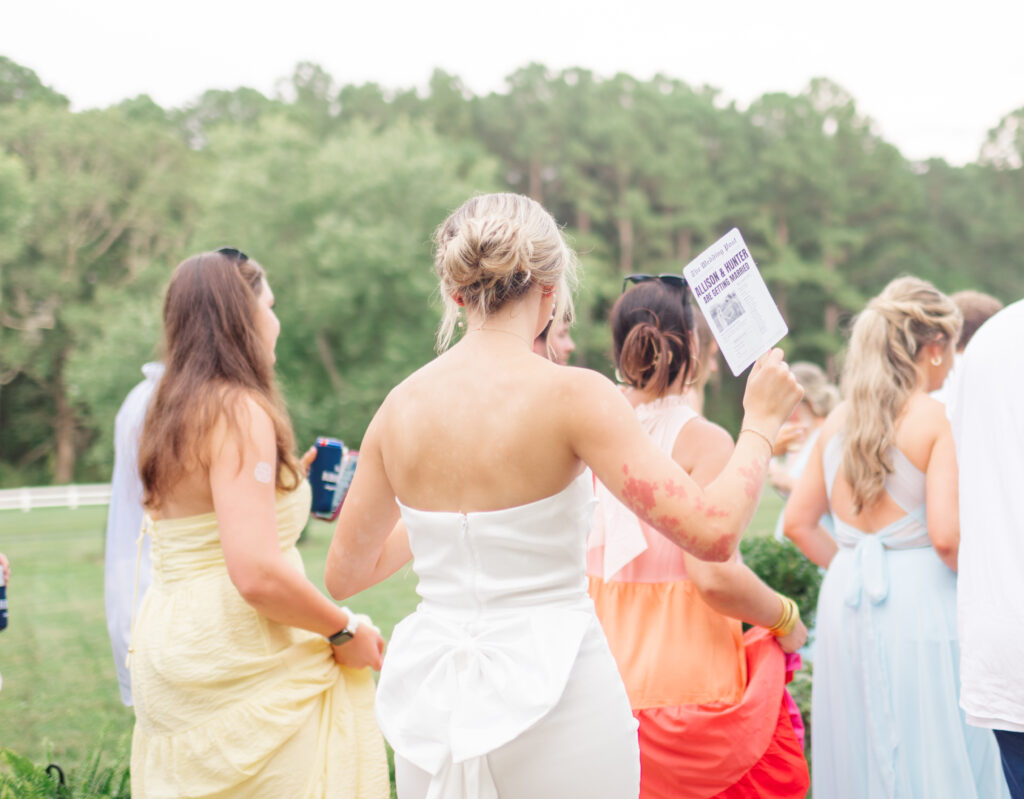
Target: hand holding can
<point x="330" y="476"/>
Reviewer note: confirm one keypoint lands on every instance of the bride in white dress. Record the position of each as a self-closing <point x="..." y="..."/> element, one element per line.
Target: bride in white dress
<point x="501" y="683"/>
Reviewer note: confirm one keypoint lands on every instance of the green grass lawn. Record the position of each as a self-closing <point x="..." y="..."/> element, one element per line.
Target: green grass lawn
<point x="60" y="699"/>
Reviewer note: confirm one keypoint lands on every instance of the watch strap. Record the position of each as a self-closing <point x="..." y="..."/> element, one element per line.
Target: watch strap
<point x="348" y="632"/>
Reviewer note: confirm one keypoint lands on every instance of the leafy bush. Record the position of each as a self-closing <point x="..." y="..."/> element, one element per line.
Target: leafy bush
<point x="784" y="568"/>
<point x="22" y="779"/>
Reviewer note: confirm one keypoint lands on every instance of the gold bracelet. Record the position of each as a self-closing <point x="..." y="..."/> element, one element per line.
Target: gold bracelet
<point x="784" y="618"/>
<point x="771" y="446"/>
<point x="788" y="620"/>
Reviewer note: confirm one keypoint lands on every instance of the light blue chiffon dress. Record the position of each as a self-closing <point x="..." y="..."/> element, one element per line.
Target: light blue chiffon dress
<point x="886" y="723"/>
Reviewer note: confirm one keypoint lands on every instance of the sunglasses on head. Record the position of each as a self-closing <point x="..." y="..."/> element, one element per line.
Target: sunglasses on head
<point x="231" y="252"/>
<point x="677" y="281"/>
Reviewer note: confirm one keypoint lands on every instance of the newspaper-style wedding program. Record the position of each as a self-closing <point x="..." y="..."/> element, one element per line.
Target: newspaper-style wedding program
<point x="734" y="298"/>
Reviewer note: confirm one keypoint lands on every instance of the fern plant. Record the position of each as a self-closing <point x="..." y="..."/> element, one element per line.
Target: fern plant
<point x="20" y="778"/>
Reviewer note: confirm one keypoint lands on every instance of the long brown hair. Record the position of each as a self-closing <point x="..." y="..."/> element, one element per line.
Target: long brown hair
<point x="214" y="358"/>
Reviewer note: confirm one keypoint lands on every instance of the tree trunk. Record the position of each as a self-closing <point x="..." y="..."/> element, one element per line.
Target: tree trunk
<point x="831" y="326"/>
<point x="536" y="183"/>
<point x="63" y="425"/>
<point x="781" y="297"/>
<point x="625" y="245"/>
<point x="323" y="348"/>
<point x="831" y="320"/>
<point x="684" y="244"/>
<point x="782" y="231"/>
<point x="582" y="221"/>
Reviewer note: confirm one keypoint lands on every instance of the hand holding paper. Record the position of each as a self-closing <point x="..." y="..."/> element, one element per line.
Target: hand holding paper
<point x="771" y="395"/>
<point x="732" y="295"/>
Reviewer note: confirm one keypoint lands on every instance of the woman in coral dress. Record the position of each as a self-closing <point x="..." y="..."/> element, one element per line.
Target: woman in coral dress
<point x="248" y="682"/>
<point x="710" y="701"/>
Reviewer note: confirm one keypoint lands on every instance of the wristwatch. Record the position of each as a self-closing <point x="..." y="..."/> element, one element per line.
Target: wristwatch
<point x="346" y="633"/>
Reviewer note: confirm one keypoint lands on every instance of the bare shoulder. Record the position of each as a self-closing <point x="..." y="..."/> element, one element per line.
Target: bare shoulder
<point x="246" y="407"/>
<point x="418" y="383"/>
<point x="925" y="418"/>
<point x="701" y="441"/>
<point x="927" y="408"/>
<point x="584" y="399"/>
<point x="242" y="420"/>
<point x="833" y="423"/>
<point x="706" y="435"/>
<point x="835" y="420"/>
<point x="584" y="385"/>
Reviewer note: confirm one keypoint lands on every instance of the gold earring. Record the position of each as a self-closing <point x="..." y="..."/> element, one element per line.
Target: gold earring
<point x="937" y="360"/>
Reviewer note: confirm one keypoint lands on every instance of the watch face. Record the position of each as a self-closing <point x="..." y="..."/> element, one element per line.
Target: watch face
<point x="341" y="637"/>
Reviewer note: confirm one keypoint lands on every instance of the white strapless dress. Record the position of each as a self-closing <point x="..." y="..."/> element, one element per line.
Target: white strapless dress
<point x="501" y="682"/>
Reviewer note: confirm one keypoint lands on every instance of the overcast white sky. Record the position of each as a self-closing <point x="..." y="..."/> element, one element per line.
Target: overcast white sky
<point x="935" y="76"/>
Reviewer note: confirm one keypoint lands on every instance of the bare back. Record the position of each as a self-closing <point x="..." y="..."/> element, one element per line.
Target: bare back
<point x="479" y="429"/>
<point x="920" y="426"/>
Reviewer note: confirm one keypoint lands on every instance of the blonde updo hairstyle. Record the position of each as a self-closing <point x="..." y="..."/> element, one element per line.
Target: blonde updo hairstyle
<point x="492" y="250"/>
<point x="819" y="394"/>
<point x="880" y="373"/>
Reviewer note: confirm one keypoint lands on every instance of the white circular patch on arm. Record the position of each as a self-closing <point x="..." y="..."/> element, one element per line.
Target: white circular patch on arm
<point x="263" y="472"/>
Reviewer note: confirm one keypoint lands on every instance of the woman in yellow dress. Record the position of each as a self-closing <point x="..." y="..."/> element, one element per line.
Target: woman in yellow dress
<point x="248" y="681"/>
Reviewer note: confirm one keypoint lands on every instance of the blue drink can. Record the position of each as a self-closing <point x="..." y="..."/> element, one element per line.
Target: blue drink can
<point x="325" y="475"/>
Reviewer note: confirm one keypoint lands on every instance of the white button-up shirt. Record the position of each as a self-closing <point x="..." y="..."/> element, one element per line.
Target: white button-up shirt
<point x="986" y="408"/>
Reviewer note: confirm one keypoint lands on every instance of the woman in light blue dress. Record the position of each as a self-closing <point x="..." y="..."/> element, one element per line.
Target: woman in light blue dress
<point x="886" y="723"/>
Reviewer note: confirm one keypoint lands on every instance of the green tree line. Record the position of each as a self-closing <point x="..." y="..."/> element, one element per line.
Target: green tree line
<point x="336" y="189"/>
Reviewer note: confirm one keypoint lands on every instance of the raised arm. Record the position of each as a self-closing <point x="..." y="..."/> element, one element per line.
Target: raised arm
<point x="370" y="541"/>
<point x="707" y="522"/>
<point x="242" y="468"/>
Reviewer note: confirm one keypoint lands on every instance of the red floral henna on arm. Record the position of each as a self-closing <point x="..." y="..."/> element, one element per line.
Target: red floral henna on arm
<point x="754" y="477"/>
<point x="711" y="511"/>
<point x="638" y="495"/>
<point x="673" y="490"/>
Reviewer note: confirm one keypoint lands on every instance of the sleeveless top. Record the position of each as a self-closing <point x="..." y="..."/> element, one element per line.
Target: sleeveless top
<point x="490" y="648"/>
<point x="708" y="699"/>
<point x="906" y="486"/>
<point x="638" y="582"/>
<point x="625" y="547"/>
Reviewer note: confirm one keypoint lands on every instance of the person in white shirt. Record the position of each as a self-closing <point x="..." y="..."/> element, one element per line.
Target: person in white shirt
<point x="124" y="521"/>
<point x="987" y="414"/>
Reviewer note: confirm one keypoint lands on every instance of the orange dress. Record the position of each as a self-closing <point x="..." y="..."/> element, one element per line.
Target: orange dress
<point x="709" y="700"/>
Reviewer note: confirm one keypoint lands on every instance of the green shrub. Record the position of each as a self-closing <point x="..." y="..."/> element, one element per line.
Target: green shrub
<point x="784" y="568"/>
<point x="22" y="779"/>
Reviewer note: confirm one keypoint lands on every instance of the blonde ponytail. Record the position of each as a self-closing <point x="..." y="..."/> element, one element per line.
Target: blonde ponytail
<point x="880" y="373"/>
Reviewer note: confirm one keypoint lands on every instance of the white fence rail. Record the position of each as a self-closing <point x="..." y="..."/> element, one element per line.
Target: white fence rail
<point x="66" y="496"/>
